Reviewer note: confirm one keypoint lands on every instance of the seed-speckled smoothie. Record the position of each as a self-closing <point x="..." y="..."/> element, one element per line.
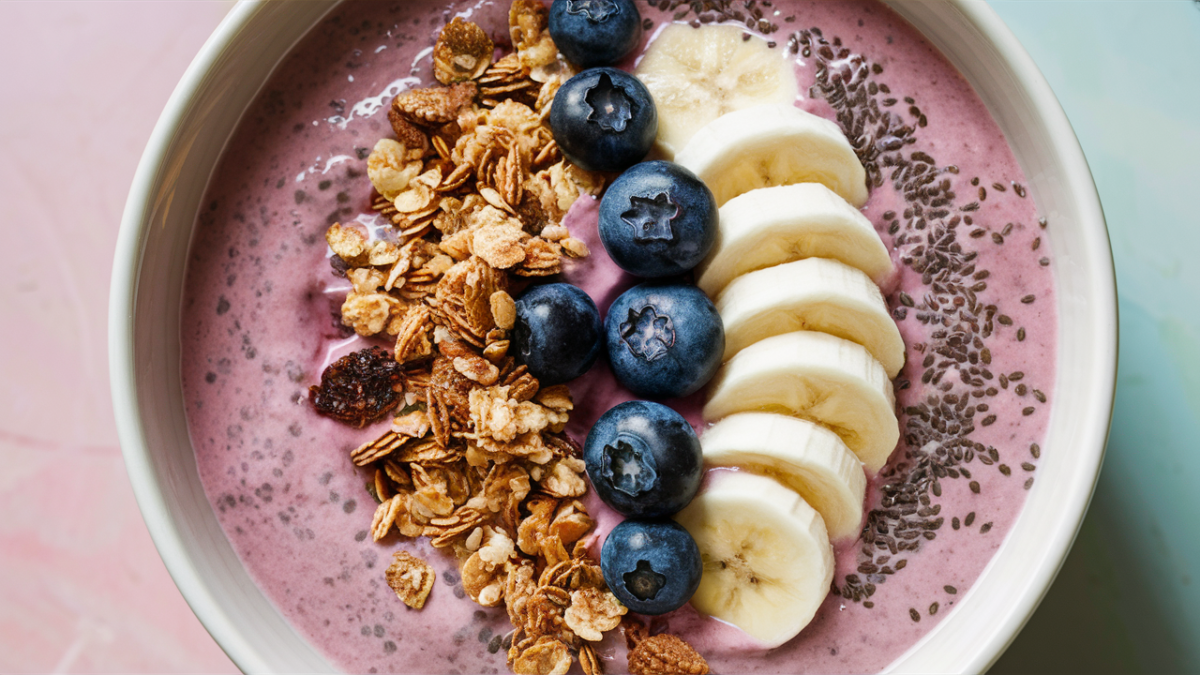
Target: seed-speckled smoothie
<point x="973" y="297"/>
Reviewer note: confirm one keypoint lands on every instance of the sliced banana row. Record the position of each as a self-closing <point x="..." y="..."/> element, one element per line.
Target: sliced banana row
<point x="804" y="401"/>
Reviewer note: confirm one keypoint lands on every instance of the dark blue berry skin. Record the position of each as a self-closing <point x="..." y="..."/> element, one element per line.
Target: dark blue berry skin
<point x="604" y="119"/>
<point x="643" y="459"/>
<point x="557" y="333"/>
<point x="658" y="220"/>
<point x="653" y="567"/>
<point x="665" y="339"/>
<point x="595" y="32"/>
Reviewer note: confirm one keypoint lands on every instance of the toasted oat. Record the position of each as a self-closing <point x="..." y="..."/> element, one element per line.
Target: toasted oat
<point x="370" y="313"/>
<point x="504" y="309"/>
<point x="557" y="398"/>
<point x="385" y="516"/>
<point x="545" y="656"/>
<point x="413" y="337"/>
<point x="495" y="414"/>
<point x="542" y="258"/>
<point x="477" y="369"/>
<point x="564" y="478"/>
<point x="389" y="168"/>
<point x="463" y="52"/>
<point x="414" y="424"/>
<point x="554" y="233"/>
<point x="574" y="247"/>
<point x="589" y="662"/>
<point x="411" y="578"/>
<point x="500" y="245"/>
<point x="347" y="242"/>
<point x="529" y="24"/>
<point x="484" y="573"/>
<point x="434" y="106"/>
<point x="593" y="612"/>
<point x="496" y="351"/>
<point x="377" y="449"/>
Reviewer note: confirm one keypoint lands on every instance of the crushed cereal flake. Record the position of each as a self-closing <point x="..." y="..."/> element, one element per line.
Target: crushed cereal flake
<point x="411" y="578"/>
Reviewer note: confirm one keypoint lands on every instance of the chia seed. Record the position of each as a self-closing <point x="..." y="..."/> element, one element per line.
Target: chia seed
<point x="936" y="443"/>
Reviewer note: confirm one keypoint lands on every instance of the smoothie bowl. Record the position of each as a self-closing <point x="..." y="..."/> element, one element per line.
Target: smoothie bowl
<point x="283" y="222"/>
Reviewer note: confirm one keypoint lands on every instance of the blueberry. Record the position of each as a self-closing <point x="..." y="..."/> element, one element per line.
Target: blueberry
<point x="595" y="32"/>
<point x="603" y="119"/>
<point x="653" y="567"/>
<point x="665" y="339"/>
<point x="644" y="459"/>
<point x="658" y="220"/>
<point x="557" y="333"/>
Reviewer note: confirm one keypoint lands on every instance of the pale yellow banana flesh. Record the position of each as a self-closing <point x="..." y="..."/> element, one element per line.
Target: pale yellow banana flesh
<point x="803" y="456"/>
<point x="772" y="145"/>
<point x="695" y="76"/>
<point x="767" y="559"/>
<point x="775" y="225"/>
<point x="818" y="377"/>
<point x="812" y="294"/>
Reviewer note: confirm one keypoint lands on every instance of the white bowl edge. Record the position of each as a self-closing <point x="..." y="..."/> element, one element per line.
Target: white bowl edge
<point x="234" y="631"/>
<point x="1011" y="606"/>
<point x="147" y="197"/>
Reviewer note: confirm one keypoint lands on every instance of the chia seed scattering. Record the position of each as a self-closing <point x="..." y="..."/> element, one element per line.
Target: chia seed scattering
<point x="937" y="437"/>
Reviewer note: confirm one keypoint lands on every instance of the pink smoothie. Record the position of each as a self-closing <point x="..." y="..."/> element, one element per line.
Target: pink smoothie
<point x="973" y="297"/>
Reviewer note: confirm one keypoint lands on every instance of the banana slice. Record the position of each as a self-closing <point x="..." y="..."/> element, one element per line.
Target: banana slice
<point x="779" y="224"/>
<point x="767" y="559"/>
<point x="698" y="74"/>
<point x="818" y="377"/>
<point x="813" y="294"/>
<point x="773" y="145"/>
<point x="806" y="457"/>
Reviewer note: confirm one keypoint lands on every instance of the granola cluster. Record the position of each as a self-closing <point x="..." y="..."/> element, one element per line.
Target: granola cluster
<point x="474" y="185"/>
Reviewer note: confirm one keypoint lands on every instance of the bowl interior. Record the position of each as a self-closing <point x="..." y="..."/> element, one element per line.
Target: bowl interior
<point x="147" y="288"/>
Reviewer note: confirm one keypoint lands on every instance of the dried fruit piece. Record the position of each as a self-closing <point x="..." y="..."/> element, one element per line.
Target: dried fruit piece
<point x="411" y="578"/>
<point x="359" y="387"/>
<point x="463" y="52"/>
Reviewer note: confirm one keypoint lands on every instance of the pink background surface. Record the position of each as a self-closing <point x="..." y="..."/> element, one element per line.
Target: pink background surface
<point x="82" y="588"/>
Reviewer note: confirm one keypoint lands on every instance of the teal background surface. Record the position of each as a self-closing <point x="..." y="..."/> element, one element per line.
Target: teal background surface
<point x="1128" y="75"/>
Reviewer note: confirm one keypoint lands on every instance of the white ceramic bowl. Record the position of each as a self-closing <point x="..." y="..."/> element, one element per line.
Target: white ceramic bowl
<point x="147" y="288"/>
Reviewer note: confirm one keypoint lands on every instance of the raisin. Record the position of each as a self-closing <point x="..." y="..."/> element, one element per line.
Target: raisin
<point x="359" y="388"/>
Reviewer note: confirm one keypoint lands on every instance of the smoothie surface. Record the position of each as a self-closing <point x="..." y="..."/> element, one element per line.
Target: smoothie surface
<point x="973" y="296"/>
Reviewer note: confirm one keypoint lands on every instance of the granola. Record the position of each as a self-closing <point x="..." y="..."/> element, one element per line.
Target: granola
<point x="411" y="578"/>
<point x="475" y="189"/>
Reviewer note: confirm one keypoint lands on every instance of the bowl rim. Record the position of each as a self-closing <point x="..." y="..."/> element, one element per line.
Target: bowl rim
<point x="1083" y="193"/>
<point x="123" y="291"/>
<point x="127" y="264"/>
